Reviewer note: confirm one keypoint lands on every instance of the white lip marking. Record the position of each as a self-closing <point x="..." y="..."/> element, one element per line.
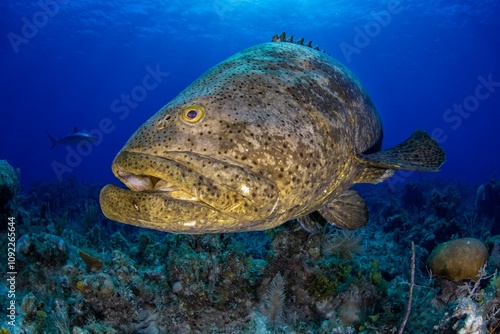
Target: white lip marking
<point x="190" y="224"/>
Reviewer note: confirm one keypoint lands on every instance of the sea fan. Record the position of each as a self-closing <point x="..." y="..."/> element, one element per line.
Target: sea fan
<point x="341" y="243"/>
<point x="274" y="300"/>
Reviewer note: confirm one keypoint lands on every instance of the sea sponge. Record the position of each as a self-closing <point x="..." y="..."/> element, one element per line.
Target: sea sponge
<point x="80" y="286"/>
<point x="458" y="259"/>
<point x="56" y="241"/>
<point x="24" y="243"/>
<point x="350" y="312"/>
<point x="29" y="304"/>
<point x="99" y="284"/>
<point x="9" y="183"/>
<point x="93" y="263"/>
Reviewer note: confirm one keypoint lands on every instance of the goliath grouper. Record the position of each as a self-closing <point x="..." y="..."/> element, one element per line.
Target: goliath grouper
<point x="275" y="132"/>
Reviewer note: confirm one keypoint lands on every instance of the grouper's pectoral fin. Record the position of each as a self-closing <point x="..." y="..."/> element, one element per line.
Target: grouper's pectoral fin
<point x="347" y="211"/>
<point x="419" y="153"/>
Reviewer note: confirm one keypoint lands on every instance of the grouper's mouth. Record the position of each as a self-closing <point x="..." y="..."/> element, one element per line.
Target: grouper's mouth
<point x="184" y="186"/>
<point x="164" y="187"/>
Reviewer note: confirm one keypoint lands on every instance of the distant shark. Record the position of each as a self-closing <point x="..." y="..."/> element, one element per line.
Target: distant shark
<point x="75" y="138"/>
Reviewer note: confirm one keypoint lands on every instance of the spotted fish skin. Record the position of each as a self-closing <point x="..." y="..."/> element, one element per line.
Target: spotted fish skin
<point x="275" y="132"/>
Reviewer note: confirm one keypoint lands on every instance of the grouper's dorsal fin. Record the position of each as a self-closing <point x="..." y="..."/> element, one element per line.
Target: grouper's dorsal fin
<point x="282" y="38"/>
<point x="420" y="153"/>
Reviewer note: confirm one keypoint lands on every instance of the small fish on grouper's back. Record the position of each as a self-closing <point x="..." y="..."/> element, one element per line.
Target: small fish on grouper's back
<point x="75" y="138"/>
<point x="276" y="132"/>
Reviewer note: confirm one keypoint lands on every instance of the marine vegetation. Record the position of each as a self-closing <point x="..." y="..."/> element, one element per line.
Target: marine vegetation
<point x="114" y="278"/>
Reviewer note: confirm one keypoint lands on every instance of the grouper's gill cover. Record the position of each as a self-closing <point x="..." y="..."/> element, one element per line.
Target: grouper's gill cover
<point x="276" y="132"/>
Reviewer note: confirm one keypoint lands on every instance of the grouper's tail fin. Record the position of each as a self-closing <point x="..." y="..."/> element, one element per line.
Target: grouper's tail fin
<point x="419" y="153"/>
<point x="52" y="140"/>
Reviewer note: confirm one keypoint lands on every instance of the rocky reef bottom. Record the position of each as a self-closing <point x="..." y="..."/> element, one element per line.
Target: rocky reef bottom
<point x="77" y="272"/>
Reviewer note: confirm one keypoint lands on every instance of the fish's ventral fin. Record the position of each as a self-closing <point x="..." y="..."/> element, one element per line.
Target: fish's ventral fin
<point x="309" y="224"/>
<point x="419" y="152"/>
<point x="348" y="211"/>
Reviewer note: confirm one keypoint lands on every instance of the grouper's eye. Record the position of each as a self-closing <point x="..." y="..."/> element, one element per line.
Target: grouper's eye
<point x="193" y="114"/>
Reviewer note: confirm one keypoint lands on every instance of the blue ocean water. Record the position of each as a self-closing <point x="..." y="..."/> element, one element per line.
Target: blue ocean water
<point x="67" y="63"/>
<point x="106" y="67"/>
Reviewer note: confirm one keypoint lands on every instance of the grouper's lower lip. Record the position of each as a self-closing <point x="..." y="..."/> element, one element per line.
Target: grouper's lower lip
<point x="152" y="209"/>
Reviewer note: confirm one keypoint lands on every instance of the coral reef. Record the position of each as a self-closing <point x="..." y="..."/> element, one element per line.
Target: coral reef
<point x="488" y="204"/>
<point x="9" y="186"/>
<point x="96" y="276"/>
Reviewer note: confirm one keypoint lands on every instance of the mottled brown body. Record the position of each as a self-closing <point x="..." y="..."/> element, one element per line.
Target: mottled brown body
<point x="282" y="133"/>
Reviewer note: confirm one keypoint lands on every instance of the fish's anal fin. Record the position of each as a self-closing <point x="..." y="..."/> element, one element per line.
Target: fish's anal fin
<point x="347" y="211"/>
<point x="419" y="153"/>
